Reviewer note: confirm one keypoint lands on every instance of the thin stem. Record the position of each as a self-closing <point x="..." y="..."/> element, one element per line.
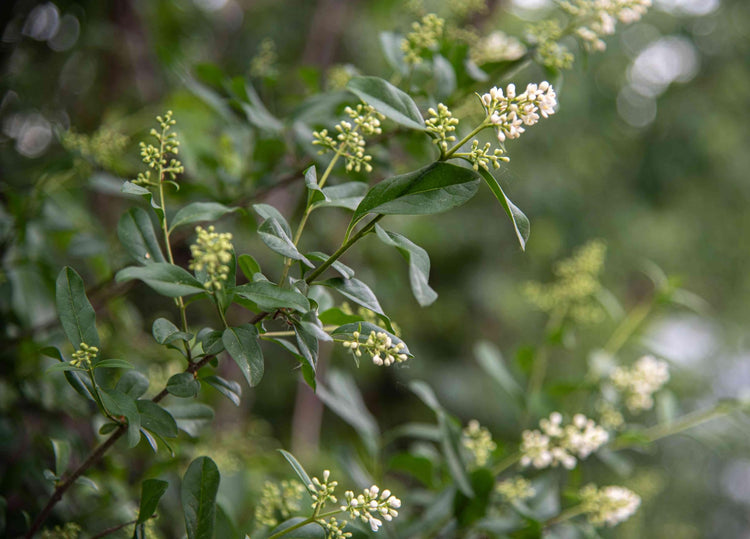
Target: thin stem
<point x="97" y="395"/>
<point x="113" y="529"/>
<point x="688" y="421"/>
<point x="344" y="247"/>
<point x="538" y="371"/>
<point x="627" y="327"/>
<point x="304" y="523"/>
<point x="566" y="515"/>
<point x="506" y="463"/>
<point x="447" y="155"/>
<point x="291" y="333"/>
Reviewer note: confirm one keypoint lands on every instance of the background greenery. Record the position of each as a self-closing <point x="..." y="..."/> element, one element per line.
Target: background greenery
<point x="660" y="179"/>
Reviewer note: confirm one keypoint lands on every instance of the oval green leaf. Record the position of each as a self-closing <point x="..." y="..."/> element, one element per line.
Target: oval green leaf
<point x="388" y="100"/>
<point x="198" y="494"/>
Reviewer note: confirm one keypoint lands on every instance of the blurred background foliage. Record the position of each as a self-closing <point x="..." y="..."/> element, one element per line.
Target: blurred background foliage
<point x="646" y="153"/>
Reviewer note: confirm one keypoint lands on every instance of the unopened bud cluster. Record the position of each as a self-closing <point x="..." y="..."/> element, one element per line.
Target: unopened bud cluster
<point x="83" y="357"/>
<point x="423" y="39"/>
<point x="509" y="112"/>
<point x="555" y="444"/>
<point x="478" y="441"/>
<point x="575" y="287"/>
<point x="442" y="124"/>
<point x="350" y="140"/>
<point x="263" y="64"/>
<point x="639" y="382"/>
<point x="608" y="505"/>
<point x="371" y="506"/>
<point x="212" y="252"/>
<point x="157" y="158"/>
<point x="545" y="35"/>
<point x="482" y="157"/>
<point x="379" y="346"/>
<point x="515" y="489"/>
<point x="278" y="502"/>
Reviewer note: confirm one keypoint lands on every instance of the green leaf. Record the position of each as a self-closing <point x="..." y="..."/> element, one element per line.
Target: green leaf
<point x="133" y="384"/>
<point x="355" y="290"/>
<point x="470" y="509"/>
<point x="242" y="345"/>
<point x="297" y="467"/>
<point x="229" y="388"/>
<point x="120" y="404"/>
<point x="419" y="264"/>
<point x="166" y="279"/>
<point x="491" y="361"/>
<point x="197" y="212"/>
<point x="391" y="44"/>
<point x="198" y="494"/>
<point x="151" y="492"/>
<point x="129" y="188"/>
<point x="156" y="419"/>
<point x="137" y="235"/>
<point x="517" y="217"/>
<point x="435" y="188"/>
<point x="343" y="398"/>
<point x="248" y="266"/>
<point x="307" y="344"/>
<point x="346" y="195"/>
<point x="346" y="332"/>
<point x="266" y="211"/>
<point x="315" y="193"/>
<point x="77" y="316"/>
<point x="418" y="466"/>
<point x="61" y="448"/>
<point x="445" y="77"/>
<point x="65" y="366"/>
<point x="278" y="240"/>
<point x="165" y="332"/>
<point x="113" y="364"/>
<point x="345" y="271"/>
<point x="191" y="417"/>
<point x="183" y="384"/>
<point x="211" y="342"/>
<point x="269" y="296"/>
<point x="388" y="100"/>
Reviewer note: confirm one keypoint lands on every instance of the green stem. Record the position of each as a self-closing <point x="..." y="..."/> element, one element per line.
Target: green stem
<point x="218" y="309"/>
<point x="627" y="327"/>
<point x="291" y="333"/>
<point x="688" y="421"/>
<point x="447" y="155"/>
<point x="303" y="523"/>
<point x="566" y="515"/>
<point x="506" y="463"/>
<point x="344" y="247"/>
<point x="97" y="395"/>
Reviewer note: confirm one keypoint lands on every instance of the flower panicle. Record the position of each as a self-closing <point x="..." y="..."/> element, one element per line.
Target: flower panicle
<point x="555" y="444"/>
<point x="380" y="346"/>
<point x="159" y="157"/>
<point x="349" y="138"/>
<point x="608" y="505"/>
<point x="212" y="253"/>
<point x="478" y="441"/>
<point x="371" y="506"/>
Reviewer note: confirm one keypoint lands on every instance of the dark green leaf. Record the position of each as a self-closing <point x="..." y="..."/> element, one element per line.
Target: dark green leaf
<point x="517" y="217"/>
<point x="183" y="384"/>
<point x="435" y="188"/>
<point x="279" y="241"/>
<point x="120" y="404"/>
<point x="248" y="266"/>
<point x="191" y="417"/>
<point x="137" y="235"/>
<point x="388" y="100"/>
<point x="419" y="467"/>
<point x="156" y="419"/>
<point x="167" y="279"/>
<point x="151" y="492"/>
<point x="242" y="345"/>
<point x="211" y="342"/>
<point x="307" y="345"/>
<point x="345" y="271"/>
<point x="198" y="212"/>
<point x="269" y="296"/>
<point x="65" y="366"/>
<point x="419" y="264"/>
<point x="343" y="398"/>
<point x="470" y="509"/>
<point x="77" y="316"/>
<point x="346" y="195"/>
<point x="165" y="332"/>
<point x="355" y="290"/>
<point x="198" y="494"/>
<point x="310" y="322"/>
<point x="297" y="467"/>
<point x="113" y="364"/>
<point x="315" y="193"/>
<point x="133" y="384"/>
<point x="61" y="449"/>
<point x="229" y="388"/>
<point x="266" y="211"/>
<point x="129" y="188"/>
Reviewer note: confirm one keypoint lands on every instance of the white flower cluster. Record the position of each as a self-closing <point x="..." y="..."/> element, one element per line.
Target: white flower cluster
<point x="478" y="441"/>
<point x="598" y="18"/>
<point x="350" y="141"/>
<point x="372" y="504"/>
<point x="556" y="444"/>
<point x="379" y="346"/>
<point x="509" y="113"/>
<point x="639" y="382"/>
<point x="608" y="505"/>
<point x="515" y="489"/>
<point x="497" y="47"/>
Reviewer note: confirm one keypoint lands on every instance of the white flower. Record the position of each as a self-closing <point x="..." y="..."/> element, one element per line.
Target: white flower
<point x="372" y="504"/>
<point x="558" y="445"/>
<point x="608" y="505"/>
<point x="509" y="111"/>
<point x="640" y="382"/>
